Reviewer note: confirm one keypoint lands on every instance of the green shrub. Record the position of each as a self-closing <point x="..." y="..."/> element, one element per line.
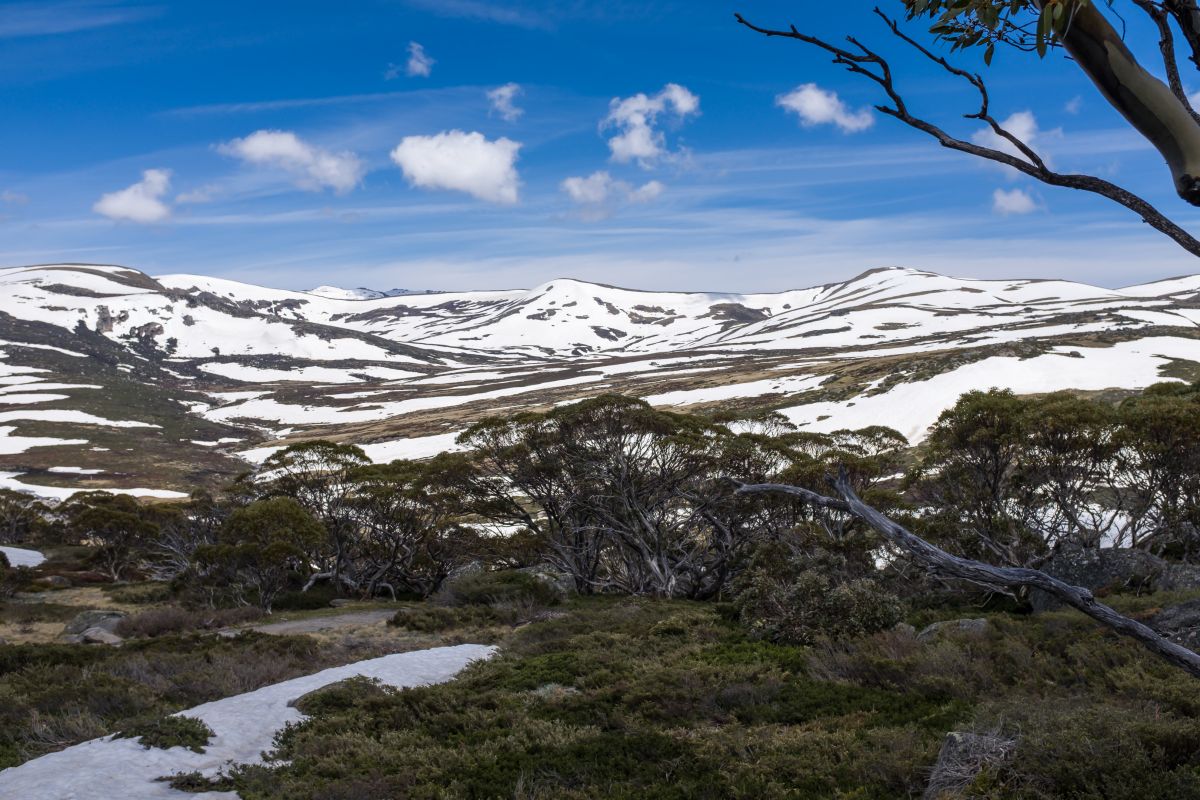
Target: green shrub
<point x="319" y="596"/>
<point x="811" y="606"/>
<point x="196" y="783"/>
<point x="165" y="621"/>
<point x="435" y="619"/>
<point x="167" y="732"/>
<point x="15" y="579"/>
<point x="1077" y="750"/>
<point x="23" y="613"/>
<point x="138" y="594"/>
<point x="497" y="588"/>
<point x="340" y="696"/>
<point x="4" y="562"/>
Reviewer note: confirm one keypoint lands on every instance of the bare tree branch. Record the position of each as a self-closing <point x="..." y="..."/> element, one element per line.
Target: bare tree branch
<point x="874" y="67"/>
<point x="944" y="564"/>
<point x="1187" y="17"/>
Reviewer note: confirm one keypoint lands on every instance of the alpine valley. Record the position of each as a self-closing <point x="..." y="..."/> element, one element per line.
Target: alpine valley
<point x="110" y="378"/>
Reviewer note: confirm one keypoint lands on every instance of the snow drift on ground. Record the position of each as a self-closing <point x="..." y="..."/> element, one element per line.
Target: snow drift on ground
<point x="244" y="727"/>
<point x="19" y="557"/>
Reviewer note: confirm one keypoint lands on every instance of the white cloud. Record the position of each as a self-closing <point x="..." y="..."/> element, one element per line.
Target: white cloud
<point x="592" y="190"/>
<point x="462" y="162"/>
<point x="420" y="65"/>
<point x="636" y="118"/>
<point x="203" y="194"/>
<point x="647" y="192"/>
<point x="9" y="197"/>
<point x="1013" y="201"/>
<point x="314" y="167"/>
<point x="141" y="202"/>
<point x="502" y="98"/>
<point x="816" y="106"/>
<point x="599" y="191"/>
<point x="1074" y="105"/>
<point x="1022" y="124"/>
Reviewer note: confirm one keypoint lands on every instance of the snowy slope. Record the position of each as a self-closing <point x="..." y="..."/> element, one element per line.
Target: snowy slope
<point x="172" y="376"/>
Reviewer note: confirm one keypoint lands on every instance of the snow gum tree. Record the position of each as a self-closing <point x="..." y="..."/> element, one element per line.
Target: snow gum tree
<point x="262" y="544"/>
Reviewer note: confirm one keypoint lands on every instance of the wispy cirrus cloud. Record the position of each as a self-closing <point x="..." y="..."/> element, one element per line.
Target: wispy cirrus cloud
<point x="27" y="19"/>
<point x="500" y="13"/>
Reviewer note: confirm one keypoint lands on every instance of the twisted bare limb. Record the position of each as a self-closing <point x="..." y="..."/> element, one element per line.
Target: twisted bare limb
<point x="1175" y="141"/>
<point x="945" y="565"/>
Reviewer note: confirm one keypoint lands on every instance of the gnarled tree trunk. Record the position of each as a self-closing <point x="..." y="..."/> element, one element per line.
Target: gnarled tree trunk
<point x="1145" y="101"/>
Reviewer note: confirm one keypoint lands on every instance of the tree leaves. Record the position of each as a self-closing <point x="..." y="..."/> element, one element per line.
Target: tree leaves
<point x="1020" y="24"/>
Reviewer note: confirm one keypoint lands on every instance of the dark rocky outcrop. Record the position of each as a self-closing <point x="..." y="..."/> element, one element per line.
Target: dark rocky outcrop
<point x="1180" y="623"/>
<point x="1109" y="569"/>
<point x="88" y="620"/>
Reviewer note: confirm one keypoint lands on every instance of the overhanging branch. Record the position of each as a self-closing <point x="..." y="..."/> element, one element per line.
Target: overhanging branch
<point x="871" y="65"/>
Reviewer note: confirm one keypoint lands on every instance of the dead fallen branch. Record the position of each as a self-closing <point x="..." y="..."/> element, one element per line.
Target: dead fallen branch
<point x="945" y="565"/>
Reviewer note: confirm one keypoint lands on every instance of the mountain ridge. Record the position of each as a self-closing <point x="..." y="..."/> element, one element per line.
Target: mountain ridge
<point x="217" y="372"/>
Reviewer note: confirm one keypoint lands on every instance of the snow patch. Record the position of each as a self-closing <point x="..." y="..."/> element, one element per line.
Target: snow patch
<point x="8" y="480"/>
<point x="244" y="727"/>
<point x="912" y="407"/>
<point x="20" y="557"/>
<point x="12" y="445"/>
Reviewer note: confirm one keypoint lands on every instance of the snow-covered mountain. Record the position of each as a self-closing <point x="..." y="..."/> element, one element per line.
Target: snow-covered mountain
<point x="114" y="378"/>
<point x="361" y="293"/>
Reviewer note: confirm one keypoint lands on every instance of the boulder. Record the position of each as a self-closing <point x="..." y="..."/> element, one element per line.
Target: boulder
<point x="100" y="636"/>
<point x="563" y="583"/>
<point x="1105" y="568"/>
<point x="106" y="620"/>
<point x="463" y="570"/>
<point x="961" y="627"/>
<point x="1180" y="623"/>
<point x="1179" y="577"/>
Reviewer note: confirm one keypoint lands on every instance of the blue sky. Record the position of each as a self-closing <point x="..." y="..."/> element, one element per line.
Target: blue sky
<point x="644" y="144"/>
